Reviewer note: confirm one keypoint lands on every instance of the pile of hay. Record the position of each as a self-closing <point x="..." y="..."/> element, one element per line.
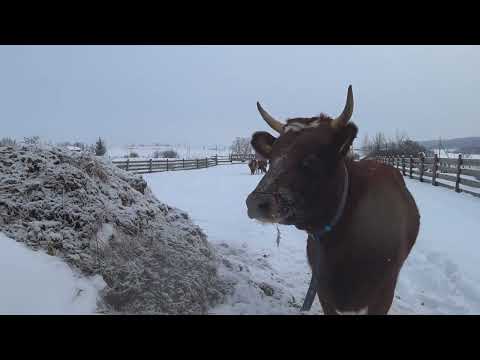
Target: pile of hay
<point x="103" y="220"/>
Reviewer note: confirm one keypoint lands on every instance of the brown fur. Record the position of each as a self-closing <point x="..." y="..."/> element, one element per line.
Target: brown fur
<point x="252" y="164"/>
<point x="262" y="166"/>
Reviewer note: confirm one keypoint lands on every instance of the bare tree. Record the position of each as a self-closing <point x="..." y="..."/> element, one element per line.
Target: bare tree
<point x="80" y="145"/>
<point x="172" y="154"/>
<point x="366" y="145"/>
<point x="400" y="137"/>
<point x="7" y="141"/>
<point x="379" y="143"/>
<point x="241" y="146"/>
<point x="33" y="140"/>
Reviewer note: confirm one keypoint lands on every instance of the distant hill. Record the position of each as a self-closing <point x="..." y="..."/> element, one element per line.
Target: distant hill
<point x="466" y="144"/>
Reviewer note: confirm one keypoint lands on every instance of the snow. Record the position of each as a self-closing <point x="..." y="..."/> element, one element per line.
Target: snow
<point x="453" y="154"/>
<point x="441" y="275"/>
<point x="215" y="199"/>
<point x="442" y="271"/>
<point x="146" y="152"/>
<point x="35" y="283"/>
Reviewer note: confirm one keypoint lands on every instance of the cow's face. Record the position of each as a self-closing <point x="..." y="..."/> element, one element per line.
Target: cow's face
<point x="302" y="183"/>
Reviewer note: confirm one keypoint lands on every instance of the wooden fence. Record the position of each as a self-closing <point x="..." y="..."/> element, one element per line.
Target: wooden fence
<point x="461" y="175"/>
<point x="159" y="165"/>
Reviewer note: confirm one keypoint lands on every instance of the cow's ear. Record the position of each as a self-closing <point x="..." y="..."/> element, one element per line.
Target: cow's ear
<point x="344" y="139"/>
<point x="262" y="143"/>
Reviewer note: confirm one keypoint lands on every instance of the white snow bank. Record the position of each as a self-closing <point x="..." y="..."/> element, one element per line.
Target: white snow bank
<point x="35" y="283"/>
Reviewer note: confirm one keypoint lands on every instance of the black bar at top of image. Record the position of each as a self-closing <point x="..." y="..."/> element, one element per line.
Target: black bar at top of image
<point x="247" y="26"/>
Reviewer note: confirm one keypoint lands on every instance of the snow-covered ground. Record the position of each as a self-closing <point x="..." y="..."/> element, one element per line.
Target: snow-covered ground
<point x="441" y="276"/>
<point x="453" y="153"/>
<point x="33" y="282"/>
<point x="146" y="152"/>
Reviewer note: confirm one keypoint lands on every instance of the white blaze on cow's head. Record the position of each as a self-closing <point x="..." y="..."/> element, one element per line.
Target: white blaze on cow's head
<point x="302" y="183"/>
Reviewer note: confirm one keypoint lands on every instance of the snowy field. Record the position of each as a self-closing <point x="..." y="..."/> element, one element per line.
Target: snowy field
<point x="146" y="152"/>
<point x="441" y="276"/>
<point x="453" y="154"/>
<point x="33" y="282"/>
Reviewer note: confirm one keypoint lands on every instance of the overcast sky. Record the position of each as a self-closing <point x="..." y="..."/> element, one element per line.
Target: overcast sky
<point x="207" y="94"/>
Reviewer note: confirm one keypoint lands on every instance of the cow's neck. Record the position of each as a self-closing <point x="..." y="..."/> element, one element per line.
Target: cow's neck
<point x="325" y="228"/>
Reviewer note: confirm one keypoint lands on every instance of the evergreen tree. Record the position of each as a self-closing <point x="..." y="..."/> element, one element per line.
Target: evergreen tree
<point x="100" y="148"/>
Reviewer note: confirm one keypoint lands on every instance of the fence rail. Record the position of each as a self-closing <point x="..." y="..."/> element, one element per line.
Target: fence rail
<point x="159" y="165"/>
<point x="455" y="174"/>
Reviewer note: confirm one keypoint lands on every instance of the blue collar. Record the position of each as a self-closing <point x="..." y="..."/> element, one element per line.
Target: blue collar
<point x="317" y="236"/>
<point x="341" y="207"/>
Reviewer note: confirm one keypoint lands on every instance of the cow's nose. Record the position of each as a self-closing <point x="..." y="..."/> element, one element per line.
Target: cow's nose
<point x="259" y="205"/>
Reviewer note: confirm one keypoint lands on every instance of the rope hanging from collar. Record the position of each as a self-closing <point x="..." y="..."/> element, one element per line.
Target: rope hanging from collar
<point x="317" y="236"/>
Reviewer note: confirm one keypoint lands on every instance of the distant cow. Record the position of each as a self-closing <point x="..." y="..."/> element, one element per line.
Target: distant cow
<point x="253" y="165"/>
<point x="262" y="166"/>
<point x="361" y="220"/>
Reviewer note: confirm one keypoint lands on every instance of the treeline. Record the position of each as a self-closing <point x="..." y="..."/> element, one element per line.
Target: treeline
<point x="99" y="148"/>
<point x="401" y="144"/>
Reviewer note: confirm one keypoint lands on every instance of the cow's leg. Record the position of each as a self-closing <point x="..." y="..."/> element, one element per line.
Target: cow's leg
<point x="384" y="300"/>
<point x="327" y="309"/>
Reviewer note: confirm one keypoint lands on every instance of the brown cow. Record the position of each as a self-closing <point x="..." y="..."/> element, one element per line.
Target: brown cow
<point x="360" y="218"/>
<point x="262" y="166"/>
<point x="252" y="164"/>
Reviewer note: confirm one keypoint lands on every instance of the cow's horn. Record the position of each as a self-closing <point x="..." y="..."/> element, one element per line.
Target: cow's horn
<point x="274" y="124"/>
<point x="346" y="114"/>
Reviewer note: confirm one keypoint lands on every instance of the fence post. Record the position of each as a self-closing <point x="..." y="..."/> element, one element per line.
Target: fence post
<point x="403" y="165"/>
<point x="216" y="159"/>
<point x="434" y="170"/>
<point x="411" y="167"/>
<point x="128" y="161"/>
<point x="459" y="171"/>
<point x="206" y="162"/>
<point x="150" y="165"/>
<point x="167" y="164"/>
<point x="183" y="163"/>
<point x="197" y="163"/>
<point x="422" y="166"/>
<point x="230" y="157"/>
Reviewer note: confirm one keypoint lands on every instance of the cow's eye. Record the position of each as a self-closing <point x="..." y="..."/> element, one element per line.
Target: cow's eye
<point x="306" y="163"/>
<point x="309" y="163"/>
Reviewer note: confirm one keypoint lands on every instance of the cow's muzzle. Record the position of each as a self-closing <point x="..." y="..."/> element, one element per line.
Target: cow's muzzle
<point x="260" y="206"/>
